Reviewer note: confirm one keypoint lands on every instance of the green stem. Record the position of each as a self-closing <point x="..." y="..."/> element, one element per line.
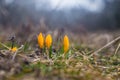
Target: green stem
<point x="12" y="44"/>
<point x="50" y="52"/>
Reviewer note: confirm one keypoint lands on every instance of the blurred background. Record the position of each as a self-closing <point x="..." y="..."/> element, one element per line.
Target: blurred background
<point x="84" y="14"/>
<point x="58" y="17"/>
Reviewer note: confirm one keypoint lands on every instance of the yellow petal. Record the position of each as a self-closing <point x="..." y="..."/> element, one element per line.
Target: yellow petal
<point x="66" y="43"/>
<point x="14" y="49"/>
<point x="48" y="41"/>
<point x="41" y="40"/>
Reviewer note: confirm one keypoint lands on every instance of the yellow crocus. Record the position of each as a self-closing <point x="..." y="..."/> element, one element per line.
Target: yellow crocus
<point x="66" y="43"/>
<point x="41" y="40"/>
<point x="14" y="49"/>
<point x="48" y="41"/>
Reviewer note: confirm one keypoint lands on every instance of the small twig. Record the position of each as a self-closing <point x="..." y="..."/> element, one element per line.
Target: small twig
<point x="110" y="43"/>
<point x="23" y="56"/>
<point x="13" y="58"/>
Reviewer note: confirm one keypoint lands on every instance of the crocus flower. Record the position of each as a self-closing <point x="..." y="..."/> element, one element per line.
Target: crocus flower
<point x="41" y="40"/>
<point x="48" y="41"/>
<point x="66" y="43"/>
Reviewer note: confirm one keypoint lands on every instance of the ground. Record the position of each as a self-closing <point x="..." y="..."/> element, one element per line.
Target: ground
<point x="91" y="56"/>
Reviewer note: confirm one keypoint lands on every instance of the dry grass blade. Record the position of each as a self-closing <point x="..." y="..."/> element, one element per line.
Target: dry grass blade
<point x="116" y="51"/>
<point x="4" y="45"/>
<point x="16" y="52"/>
<point x="110" y="43"/>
